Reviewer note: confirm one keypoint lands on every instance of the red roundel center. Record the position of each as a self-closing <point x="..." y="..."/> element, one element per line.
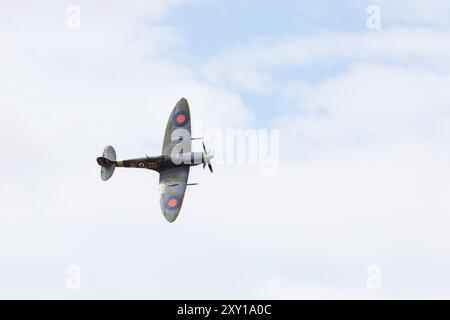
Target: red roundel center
<point x="172" y="203"/>
<point x="181" y="118"/>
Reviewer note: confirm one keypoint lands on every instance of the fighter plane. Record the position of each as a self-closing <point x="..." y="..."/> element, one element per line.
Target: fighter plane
<point x="172" y="165"/>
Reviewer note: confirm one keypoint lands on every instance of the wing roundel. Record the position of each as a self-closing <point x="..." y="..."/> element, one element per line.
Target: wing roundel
<point x="172" y="183"/>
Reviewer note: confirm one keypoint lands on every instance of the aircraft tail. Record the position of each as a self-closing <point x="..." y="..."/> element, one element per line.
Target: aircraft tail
<point x="107" y="162"/>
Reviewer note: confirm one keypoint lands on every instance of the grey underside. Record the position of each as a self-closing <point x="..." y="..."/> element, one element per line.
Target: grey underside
<point x="107" y="172"/>
<point x="173" y="181"/>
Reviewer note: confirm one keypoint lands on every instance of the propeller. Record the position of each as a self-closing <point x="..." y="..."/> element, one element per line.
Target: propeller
<point x="208" y="156"/>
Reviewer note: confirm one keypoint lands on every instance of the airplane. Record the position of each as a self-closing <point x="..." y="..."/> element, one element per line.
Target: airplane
<point x="172" y="165"/>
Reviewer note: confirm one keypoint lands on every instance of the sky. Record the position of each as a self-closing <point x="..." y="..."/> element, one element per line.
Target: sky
<point x="357" y="206"/>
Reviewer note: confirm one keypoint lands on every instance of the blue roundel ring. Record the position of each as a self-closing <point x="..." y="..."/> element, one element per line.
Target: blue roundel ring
<point x="180" y="118"/>
<point x="172" y="203"/>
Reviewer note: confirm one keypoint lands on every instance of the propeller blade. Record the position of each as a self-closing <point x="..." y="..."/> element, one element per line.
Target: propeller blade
<point x="207" y="158"/>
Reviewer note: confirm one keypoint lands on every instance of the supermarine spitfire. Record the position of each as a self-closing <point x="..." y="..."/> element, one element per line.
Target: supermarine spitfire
<point x="173" y="165"/>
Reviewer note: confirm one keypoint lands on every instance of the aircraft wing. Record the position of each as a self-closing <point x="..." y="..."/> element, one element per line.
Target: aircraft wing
<point x="180" y="118"/>
<point x="172" y="183"/>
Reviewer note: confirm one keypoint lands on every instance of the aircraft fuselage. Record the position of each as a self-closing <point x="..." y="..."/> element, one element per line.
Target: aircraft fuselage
<point x="158" y="163"/>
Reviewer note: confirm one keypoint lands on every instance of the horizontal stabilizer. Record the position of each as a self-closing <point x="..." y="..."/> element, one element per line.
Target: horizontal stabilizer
<point x="107" y="163"/>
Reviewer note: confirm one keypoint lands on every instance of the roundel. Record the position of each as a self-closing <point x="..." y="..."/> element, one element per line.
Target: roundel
<point x="172" y="203"/>
<point x="141" y="164"/>
<point x="180" y="118"/>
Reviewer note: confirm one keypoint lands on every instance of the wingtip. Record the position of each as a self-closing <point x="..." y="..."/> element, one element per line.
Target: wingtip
<point x="171" y="217"/>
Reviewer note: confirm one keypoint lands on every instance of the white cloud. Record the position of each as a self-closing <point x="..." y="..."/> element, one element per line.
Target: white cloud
<point x="380" y="86"/>
<point x="308" y="232"/>
<point x="370" y="104"/>
<point x="377" y="133"/>
<point x="249" y="67"/>
<point x="93" y="83"/>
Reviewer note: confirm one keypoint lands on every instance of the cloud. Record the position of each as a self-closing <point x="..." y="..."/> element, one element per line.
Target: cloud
<point x="250" y="67"/>
<point x="309" y="232"/>
<point x="372" y="87"/>
<point x="370" y="104"/>
<point x="65" y="87"/>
